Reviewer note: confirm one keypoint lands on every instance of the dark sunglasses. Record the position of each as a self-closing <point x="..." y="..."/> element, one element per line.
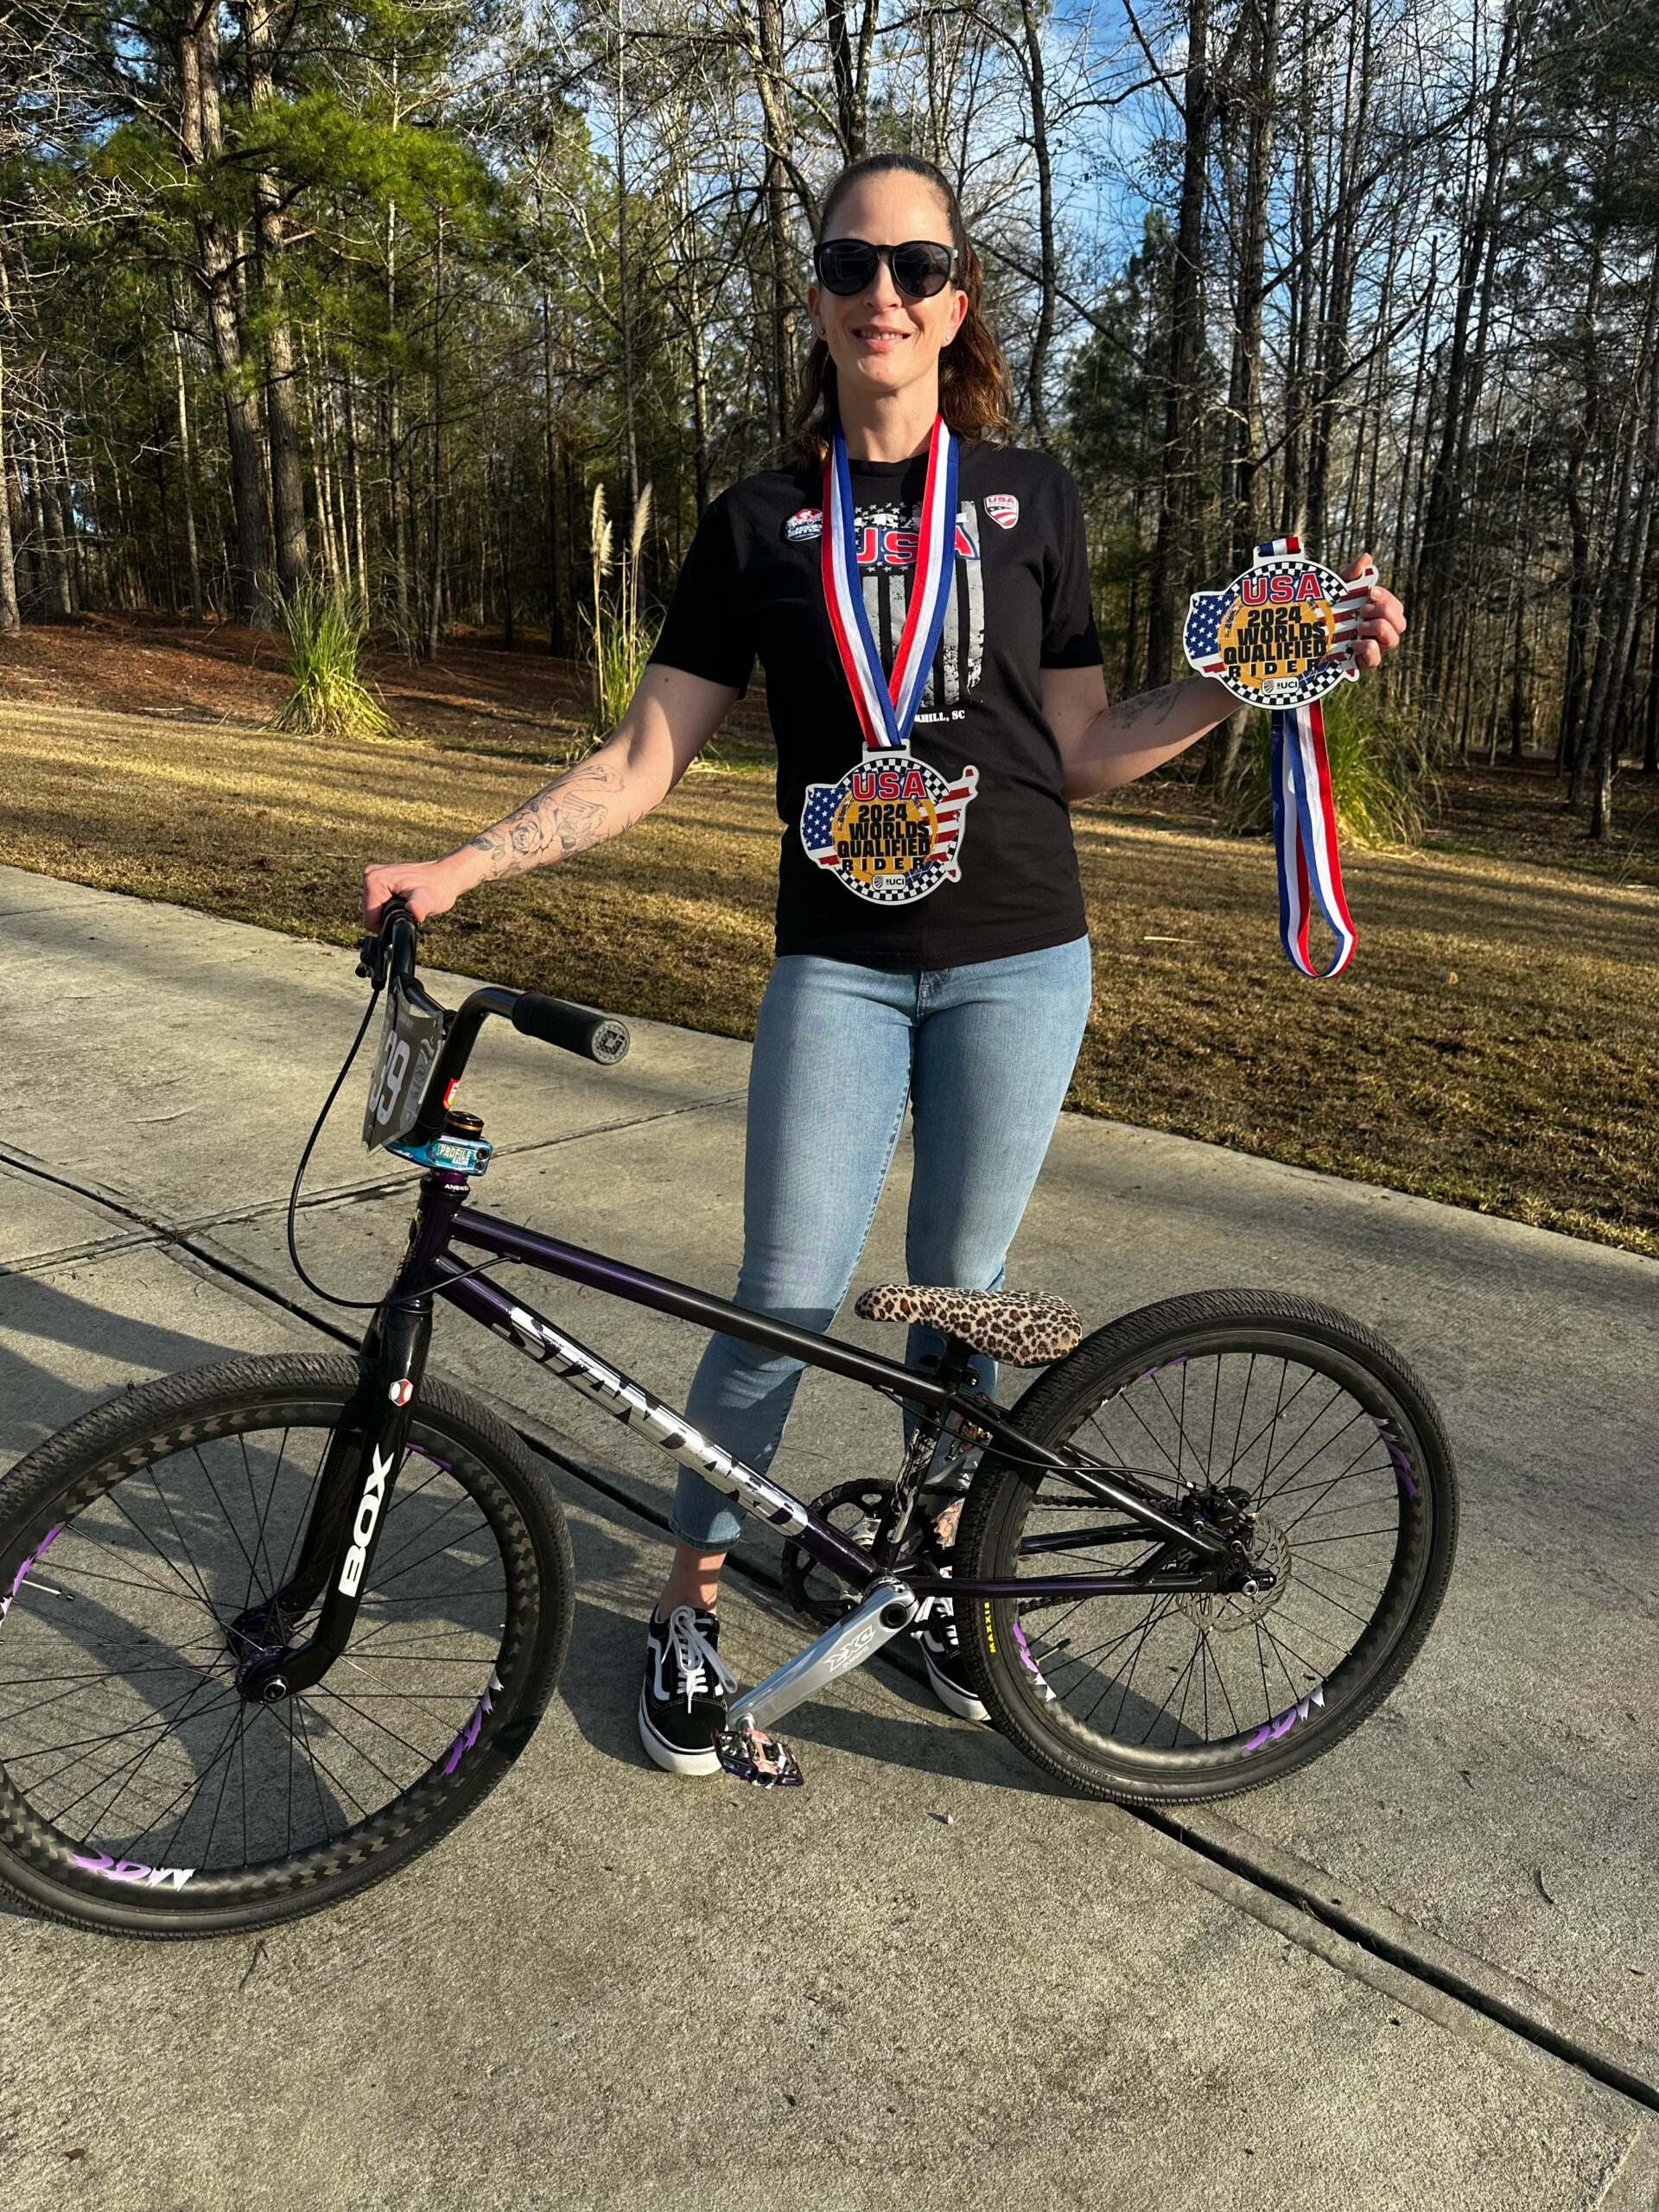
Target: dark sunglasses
<point x="920" y="268"/>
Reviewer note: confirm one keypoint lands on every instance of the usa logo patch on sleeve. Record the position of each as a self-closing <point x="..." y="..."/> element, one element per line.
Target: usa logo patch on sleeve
<point x="1002" y="508"/>
<point x="805" y="522"/>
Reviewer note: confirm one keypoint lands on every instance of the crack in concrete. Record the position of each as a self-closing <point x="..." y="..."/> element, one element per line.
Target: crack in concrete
<point x="160" y="1232"/>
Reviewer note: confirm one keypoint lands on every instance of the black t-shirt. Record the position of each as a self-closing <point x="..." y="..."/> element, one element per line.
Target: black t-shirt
<point x="985" y="795"/>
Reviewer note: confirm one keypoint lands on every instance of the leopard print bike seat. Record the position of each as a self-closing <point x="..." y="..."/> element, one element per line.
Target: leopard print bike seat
<point x="1022" y="1328"/>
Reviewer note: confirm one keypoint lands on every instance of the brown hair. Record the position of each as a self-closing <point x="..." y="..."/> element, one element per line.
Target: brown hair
<point x="976" y="393"/>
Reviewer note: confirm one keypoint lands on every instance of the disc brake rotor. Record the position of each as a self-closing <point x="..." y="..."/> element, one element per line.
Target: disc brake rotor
<point x="1225" y="1611"/>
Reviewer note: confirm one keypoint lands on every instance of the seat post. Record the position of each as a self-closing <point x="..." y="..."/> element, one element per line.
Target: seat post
<point x="956" y="1364"/>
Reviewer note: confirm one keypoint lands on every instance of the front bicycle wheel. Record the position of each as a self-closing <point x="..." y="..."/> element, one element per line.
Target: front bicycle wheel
<point x="1300" y="1427"/>
<point x="139" y="1792"/>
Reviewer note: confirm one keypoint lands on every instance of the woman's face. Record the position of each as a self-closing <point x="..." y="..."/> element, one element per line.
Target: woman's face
<point x="881" y="341"/>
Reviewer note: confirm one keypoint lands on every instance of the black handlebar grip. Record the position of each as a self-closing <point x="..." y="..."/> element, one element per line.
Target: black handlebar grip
<point x="576" y="1029"/>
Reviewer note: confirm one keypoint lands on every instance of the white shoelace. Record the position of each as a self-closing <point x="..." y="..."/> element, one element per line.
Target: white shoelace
<point x="693" y="1655"/>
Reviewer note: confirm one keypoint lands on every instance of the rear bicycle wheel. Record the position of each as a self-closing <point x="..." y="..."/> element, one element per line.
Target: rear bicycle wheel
<point x="139" y="1792"/>
<point x="1307" y="1430"/>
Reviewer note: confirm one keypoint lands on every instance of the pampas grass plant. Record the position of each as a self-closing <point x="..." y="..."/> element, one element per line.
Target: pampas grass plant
<point x="621" y="642"/>
<point x="324" y="631"/>
<point x="1379" y="782"/>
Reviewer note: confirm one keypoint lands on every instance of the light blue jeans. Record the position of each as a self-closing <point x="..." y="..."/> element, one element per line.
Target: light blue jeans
<point x="983" y="1055"/>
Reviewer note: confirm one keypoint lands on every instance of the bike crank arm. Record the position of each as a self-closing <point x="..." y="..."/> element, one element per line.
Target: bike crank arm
<point x="744" y="1747"/>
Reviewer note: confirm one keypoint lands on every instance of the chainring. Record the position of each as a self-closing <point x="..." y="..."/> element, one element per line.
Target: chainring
<point x="854" y="1509"/>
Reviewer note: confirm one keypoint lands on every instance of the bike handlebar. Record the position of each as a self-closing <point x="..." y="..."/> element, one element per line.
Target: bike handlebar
<point x="577" y="1029"/>
<point x="388" y="956"/>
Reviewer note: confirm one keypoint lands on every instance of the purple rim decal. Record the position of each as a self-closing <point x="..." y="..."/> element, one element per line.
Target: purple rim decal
<point x="1282" y="1723"/>
<point x="132" y="1871"/>
<point x="420" y="1451"/>
<point x="469" y="1735"/>
<point x="1397" y="1454"/>
<point x="33" y="1559"/>
<point x="1029" y="1663"/>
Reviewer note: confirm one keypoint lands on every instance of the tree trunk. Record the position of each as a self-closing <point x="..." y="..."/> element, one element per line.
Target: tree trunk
<point x="281" y="405"/>
<point x="558" y="572"/>
<point x="395" y="446"/>
<point x="1300" y="318"/>
<point x="849" y="65"/>
<point x="775" y="107"/>
<point x="353" y="462"/>
<point x="504" y="549"/>
<point x="1585" y="435"/>
<point x="321" y="471"/>
<point x="1518" y="686"/>
<point x="1243" y="430"/>
<point x="48" y="524"/>
<point x="624" y="274"/>
<point x="1172" y="553"/>
<point x="1602" y="725"/>
<point x="10" y="619"/>
<point x="25" y="557"/>
<point x="187" y="470"/>
<point x="216" y="274"/>
<point x="1048" y="269"/>
<point x="1335" y="351"/>
<point x="1442" y="527"/>
<point x="1603" y="670"/>
<point x="435" y="607"/>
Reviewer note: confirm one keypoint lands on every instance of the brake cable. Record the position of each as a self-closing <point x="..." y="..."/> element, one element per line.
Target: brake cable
<point x="352" y="1305"/>
<point x="356" y="1305"/>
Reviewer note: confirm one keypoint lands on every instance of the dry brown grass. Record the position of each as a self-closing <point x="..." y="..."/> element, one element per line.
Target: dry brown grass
<point x="1522" y="1087"/>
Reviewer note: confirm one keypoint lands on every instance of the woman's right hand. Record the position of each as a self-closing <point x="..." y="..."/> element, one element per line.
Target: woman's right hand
<point x="428" y="887"/>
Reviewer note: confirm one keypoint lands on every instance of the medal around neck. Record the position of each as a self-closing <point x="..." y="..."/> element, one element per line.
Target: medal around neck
<point x="1280" y="636"/>
<point x="891" y="829"/>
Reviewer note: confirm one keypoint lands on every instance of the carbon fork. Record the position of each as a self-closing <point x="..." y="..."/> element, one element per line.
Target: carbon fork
<point x="359" y="1473"/>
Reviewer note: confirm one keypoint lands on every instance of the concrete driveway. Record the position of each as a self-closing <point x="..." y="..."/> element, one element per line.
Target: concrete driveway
<point x="1424" y="1971"/>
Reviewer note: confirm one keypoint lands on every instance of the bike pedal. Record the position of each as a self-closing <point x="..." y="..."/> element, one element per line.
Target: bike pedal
<point x="752" y="1756"/>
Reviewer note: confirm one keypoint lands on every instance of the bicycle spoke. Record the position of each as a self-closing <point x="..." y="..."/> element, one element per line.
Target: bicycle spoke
<point x="1178" y="1672"/>
<point x="119" y="1713"/>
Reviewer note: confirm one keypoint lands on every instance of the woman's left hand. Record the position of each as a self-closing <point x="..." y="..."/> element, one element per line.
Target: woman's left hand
<point x="1381" y="625"/>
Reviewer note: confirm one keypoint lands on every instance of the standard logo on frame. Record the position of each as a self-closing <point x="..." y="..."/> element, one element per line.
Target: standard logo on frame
<point x="1278" y="636"/>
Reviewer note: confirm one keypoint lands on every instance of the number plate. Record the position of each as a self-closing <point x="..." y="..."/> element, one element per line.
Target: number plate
<point x="409" y="1038"/>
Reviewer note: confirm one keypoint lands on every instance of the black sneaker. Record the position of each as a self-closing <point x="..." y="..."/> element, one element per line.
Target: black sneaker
<point x="682" y="1698"/>
<point x="947" y="1671"/>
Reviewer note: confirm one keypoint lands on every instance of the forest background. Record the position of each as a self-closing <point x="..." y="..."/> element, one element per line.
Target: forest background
<point x="404" y="303"/>
<point x="377" y="294"/>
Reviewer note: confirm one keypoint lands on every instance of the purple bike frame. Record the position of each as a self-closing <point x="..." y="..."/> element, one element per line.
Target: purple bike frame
<point x="532" y="1333"/>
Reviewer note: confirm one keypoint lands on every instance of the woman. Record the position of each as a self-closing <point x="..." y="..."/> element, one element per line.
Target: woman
<point x="932" y="942"/>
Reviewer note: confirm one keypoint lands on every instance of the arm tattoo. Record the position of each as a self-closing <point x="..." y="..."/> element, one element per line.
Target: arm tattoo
<point x="581" y="808"/>
<point x="1153" y="707"/>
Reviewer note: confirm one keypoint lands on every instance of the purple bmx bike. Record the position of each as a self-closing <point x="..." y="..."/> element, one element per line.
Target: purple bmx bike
<point x="269" y="1629"/>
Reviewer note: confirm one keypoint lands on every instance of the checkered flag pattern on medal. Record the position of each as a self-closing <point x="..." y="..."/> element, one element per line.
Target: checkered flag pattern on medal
<point x="1202" y="636"/>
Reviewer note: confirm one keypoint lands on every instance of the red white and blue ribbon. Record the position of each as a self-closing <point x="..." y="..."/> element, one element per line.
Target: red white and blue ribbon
<point x="886" y="706"/>
<point x="1304" y="835"/>
<point x="1304" y="815"/>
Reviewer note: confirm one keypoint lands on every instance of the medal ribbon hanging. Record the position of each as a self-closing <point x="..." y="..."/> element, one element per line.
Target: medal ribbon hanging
<point x="1303" y="818"/>
<point x="887" y="706"/>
